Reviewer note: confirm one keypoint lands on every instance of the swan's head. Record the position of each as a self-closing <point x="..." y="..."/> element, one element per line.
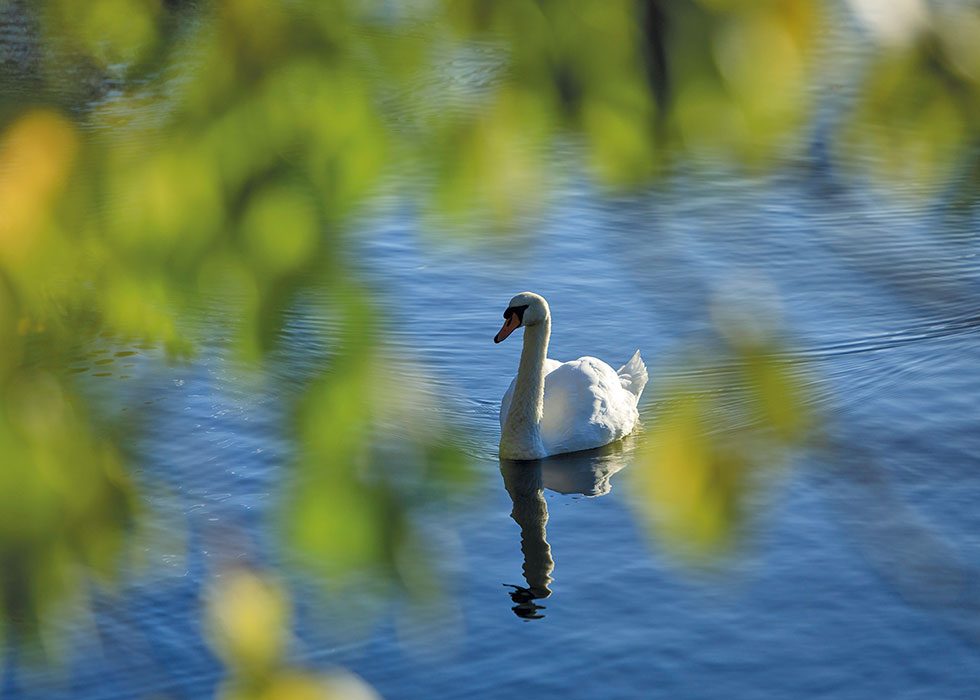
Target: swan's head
<point x="526" y="309"/>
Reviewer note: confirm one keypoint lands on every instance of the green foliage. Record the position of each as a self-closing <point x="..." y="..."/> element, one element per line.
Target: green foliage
<point x="741" y="74"/>
<point x="919" y="106"/>
<point x="66" y="499"/>
<point x="248" y="623"/>
<point x="715" y="443"/>
<point x="373" y="447"/>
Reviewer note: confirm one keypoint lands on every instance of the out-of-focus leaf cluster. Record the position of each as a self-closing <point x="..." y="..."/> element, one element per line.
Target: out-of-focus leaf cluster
<point x="715" y="445"/>
<point x="249" y="623"/>
<point x="374" y="448"/>
<point x="642" y="82"/>
<point x="235" y="189"/>
<point x="740" y="74"/>
<point x="66" y="499"/>
<point x="918" y="109"/>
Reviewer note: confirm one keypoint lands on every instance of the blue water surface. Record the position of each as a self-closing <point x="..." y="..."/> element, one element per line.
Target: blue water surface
<point x="857" y="574"/>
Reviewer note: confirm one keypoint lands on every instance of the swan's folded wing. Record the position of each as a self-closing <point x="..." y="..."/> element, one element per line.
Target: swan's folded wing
<point x="584" y="407"/>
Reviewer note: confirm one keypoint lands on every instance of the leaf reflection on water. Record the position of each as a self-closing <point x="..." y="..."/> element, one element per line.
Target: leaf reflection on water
<point x="587" y="473"/>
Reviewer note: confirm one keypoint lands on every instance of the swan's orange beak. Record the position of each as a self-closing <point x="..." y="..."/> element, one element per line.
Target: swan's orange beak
<point x="512" y="323"/>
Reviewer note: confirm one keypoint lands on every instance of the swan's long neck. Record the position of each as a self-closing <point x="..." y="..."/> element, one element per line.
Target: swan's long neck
<point x="521" y="429"/>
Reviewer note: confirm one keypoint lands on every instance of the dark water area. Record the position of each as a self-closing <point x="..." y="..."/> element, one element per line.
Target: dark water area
<point x="859" y="573"/>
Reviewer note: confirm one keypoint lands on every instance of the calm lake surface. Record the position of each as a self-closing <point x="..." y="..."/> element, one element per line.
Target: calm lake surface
<point x="859" y="574"/>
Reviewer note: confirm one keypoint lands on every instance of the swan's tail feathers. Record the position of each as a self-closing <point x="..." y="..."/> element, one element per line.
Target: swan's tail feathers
<point x="633" y="375"/>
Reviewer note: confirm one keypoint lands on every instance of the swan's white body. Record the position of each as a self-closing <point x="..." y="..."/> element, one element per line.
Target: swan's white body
<point x="556" y="407"/>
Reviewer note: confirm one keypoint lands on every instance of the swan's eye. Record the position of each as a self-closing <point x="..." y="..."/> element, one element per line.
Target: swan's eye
<point x="519" y="310"/>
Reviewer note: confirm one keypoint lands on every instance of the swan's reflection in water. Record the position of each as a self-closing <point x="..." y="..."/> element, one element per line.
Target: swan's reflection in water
<point x="587" y="473"/>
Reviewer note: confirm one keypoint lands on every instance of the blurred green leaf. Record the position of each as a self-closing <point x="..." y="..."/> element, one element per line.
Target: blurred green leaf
<point x="248" y="618"/>
<point x="919" y="106"/>
<point x="372" y="449"/>
<point x="66" y="500"/>
<point x="713" y="447"/>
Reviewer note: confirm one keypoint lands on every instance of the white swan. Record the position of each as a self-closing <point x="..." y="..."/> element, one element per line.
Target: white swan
<point x="555" y="407"/>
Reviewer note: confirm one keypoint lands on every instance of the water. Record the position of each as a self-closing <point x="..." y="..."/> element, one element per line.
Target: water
<point x="857" y="577"/>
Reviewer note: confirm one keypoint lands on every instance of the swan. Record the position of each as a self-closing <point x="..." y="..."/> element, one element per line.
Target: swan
<point x="555" y="407"/>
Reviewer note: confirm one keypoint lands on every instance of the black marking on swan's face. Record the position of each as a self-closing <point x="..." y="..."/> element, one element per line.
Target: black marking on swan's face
<point x="519" y="310"/>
